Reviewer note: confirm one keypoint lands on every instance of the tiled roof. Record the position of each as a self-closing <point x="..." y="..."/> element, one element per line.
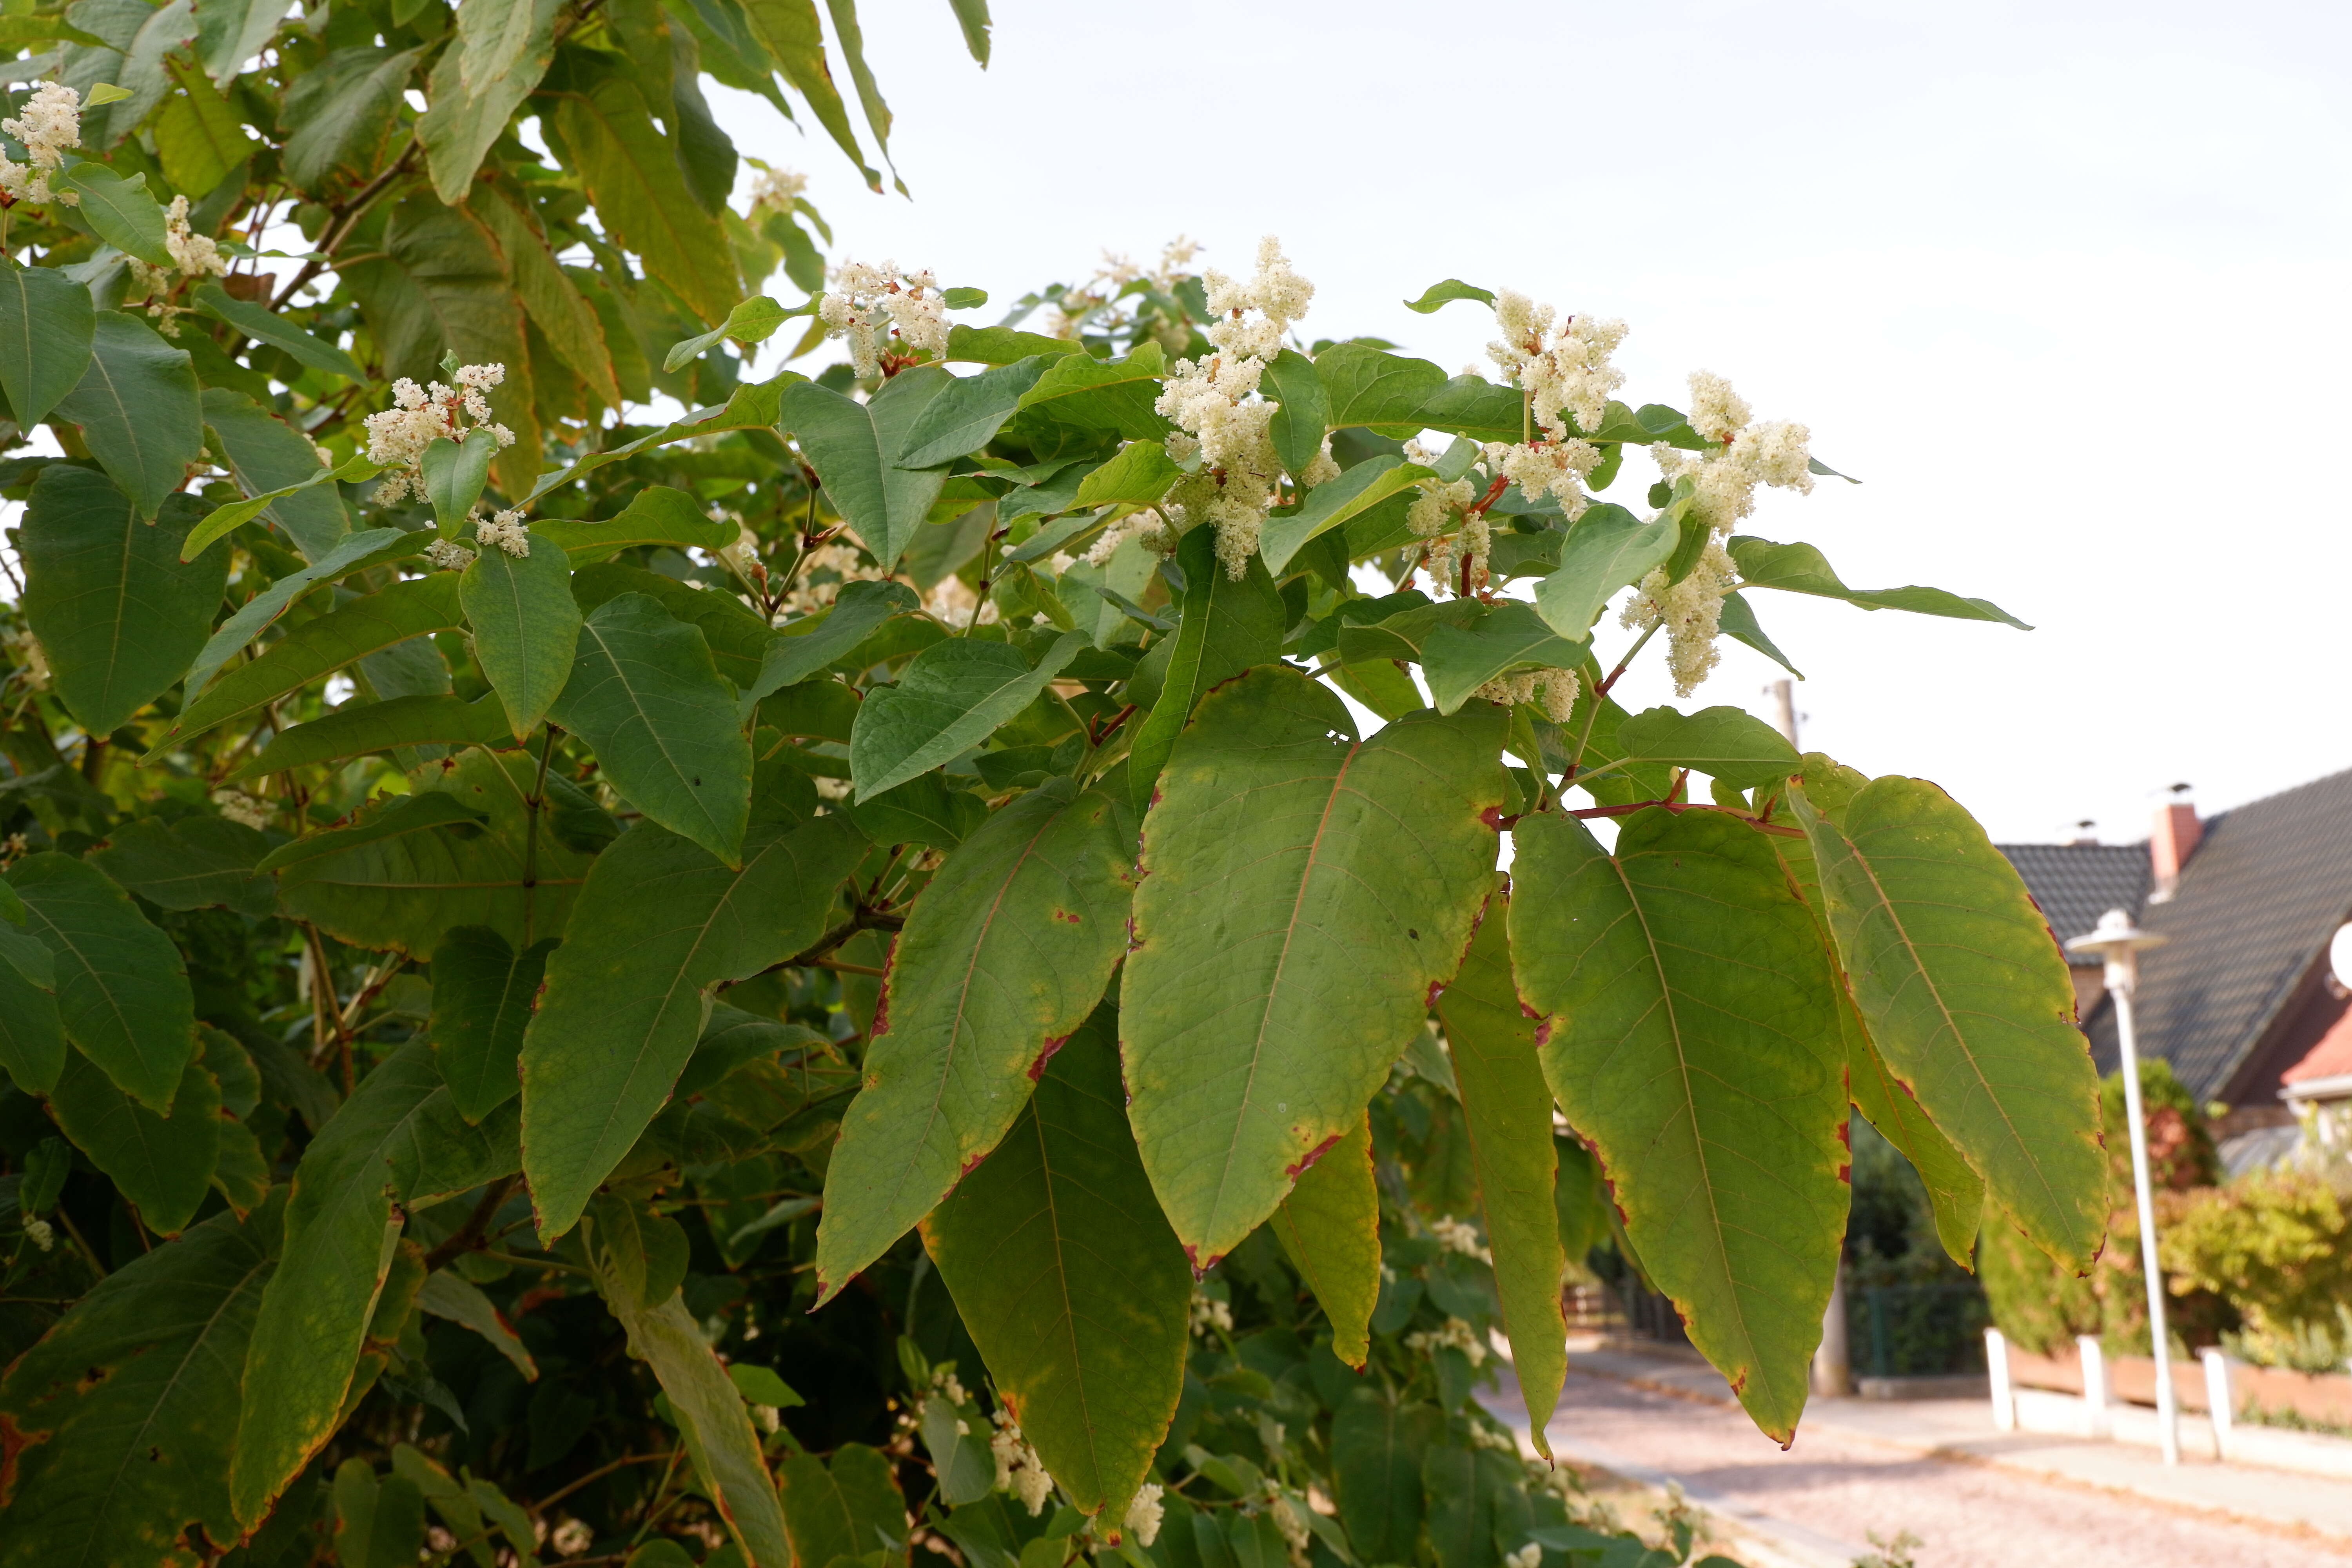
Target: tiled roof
<point x="2074" y="884"/>
<point x="2332" y="1058"/>
<point x="2256" y="905"/>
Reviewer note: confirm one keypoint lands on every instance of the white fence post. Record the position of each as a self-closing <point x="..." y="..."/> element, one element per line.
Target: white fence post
<point x="2096" y="1422"/>
<point x="2004" y="1398"/>
<point x="2218" y="1402"/>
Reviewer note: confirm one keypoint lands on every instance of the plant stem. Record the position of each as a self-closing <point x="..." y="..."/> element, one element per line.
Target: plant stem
<point x="533" y="805"/>
<point x="598" y="1474"/>
<point x="468" y="1237"/>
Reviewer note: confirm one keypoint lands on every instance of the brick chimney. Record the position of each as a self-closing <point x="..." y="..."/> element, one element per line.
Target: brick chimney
<point x="2171" y="841"/>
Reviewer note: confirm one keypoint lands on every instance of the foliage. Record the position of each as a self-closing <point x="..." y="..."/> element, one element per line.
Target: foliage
<point x="2278" y="1246"/>
<point x="569" y="976"/>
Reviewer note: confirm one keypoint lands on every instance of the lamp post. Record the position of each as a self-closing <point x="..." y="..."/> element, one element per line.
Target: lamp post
<point x="2117" y="940"/>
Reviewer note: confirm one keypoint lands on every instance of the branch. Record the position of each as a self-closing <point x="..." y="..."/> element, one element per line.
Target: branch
<point x="342" y="217"/>
<point x="862" y="919"/>
<point x="468" y="1237"/>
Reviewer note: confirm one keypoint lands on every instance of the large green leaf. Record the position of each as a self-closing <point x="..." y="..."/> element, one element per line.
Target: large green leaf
<point x="1227" y="626"/>
<point x="843" y="1508"/>
<point x="655" y="515"/>
<point x="1330" y="1227"/>
<point x="1007" y="952"/>
<point x="1607" y="549"/>
<point x="526" y="628"/>
<point x="1458" y="659"/>
<point x="45" y="323"/>
<point x="265" y="455"/>
<point x="815" y="643"/>
<point x="1139" y="476"/>
<point x="1508" y="1111"/>
<point x="1478" y="1501"/>
<point x="633" y="178"/>
<point x="966" y="415"/>
<point x="794" y="35"/>
<point x="119" y="1421"/>
<point x="645" y="693"/>
<point x="1070" y="1280"/>
<point x="482" y="995"/>
<point x="264" y="325"/>
<point x="1688" y="1035"/>
<point x="357" y="729"/>
<point x="1302" y="892"/>
<point x="709" y="1413"/>
<point x="952" y="696"/>
<point x="117" y="611"/>
<point x="852" y="445"/>
<point x="398" y="1140"/>
<point x="317" y="648"/>
<point x="32" y="1036"/>
<point x="1965" y="995"/>
<point x="499" y="54"/>
<point x="122" y="990"/>
<point x="162" y="1165"/>
<point x="1801" y="569"/>
<point x="1306" y="411"/>
<point x="121" y="210"/>
<point x="352" y="553"/>
<point x="1726" y="744"/>
<point x="1376" y="1452"/>
<point x="459" y="850"/>
<point x="195" y="863"/>
<point x="659" y="926"/>
<point x="138" y="409"/>
<point x="337" y="113"/>
<point x="1333" y="503"/>
<point x="551" y="301"/>
<point x="1370" y="386"/>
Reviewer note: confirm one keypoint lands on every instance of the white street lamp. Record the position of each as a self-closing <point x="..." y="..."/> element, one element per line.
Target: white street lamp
<point x="2118" y="941"/>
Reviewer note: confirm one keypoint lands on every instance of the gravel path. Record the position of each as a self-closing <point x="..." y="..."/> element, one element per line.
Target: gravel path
<point x="1843" y="1487"/>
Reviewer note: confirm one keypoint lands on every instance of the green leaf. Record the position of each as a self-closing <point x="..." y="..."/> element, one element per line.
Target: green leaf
<point x="851" y="39"/>
<point x="482" y="995"/>
<point x="710" y="1415"/>
<point x="223" y="521"/>
<point x="42" y="29"/>
<point x="846" y="1509"/>
<point x="1377" y="1447"/>
<point x="792" y="35"/>
<point x="848" y="443"/>
<point x="198" y="137"/>
<point x="1370" y="386"/>
<point x="952" y="696"/>
<point x="1006" y="952"/>
<point x="1298" y="428"/>
<point x="1329" y="1228"/>
<point x="32" y="1036"/>
<point x="195" y="863"/>
<point x="138" y="409"/>
<point x="229" y="33"/>
<point x="1452" y="289"/>
<point x="1002" y="345"/>
<point x="497" y="60"/>
<point x="1739" y="624"/>
<point x="46" y="325"/>
<point x="1333" y="503"/>
<point x="644" y="694"/>
<point x="1476" y="1500"/>
<point x="966" y="414"/>
<point x="1688" y="1037"/>
<point x="1801" y="569"/>
<point x="378" y="1524"/>
<point x="162" y="1165"/>
<point x="1726" y="744"/>
<point x="655" y="515"/>
<point x="118" y="612"/>
<point x="338" y="112"/>
<point x="1966" y="996"/>
<point x="922" y="811"/>
<point x="810" y="646"/>
<point x="1139" y="476"/>
<point x="135" y="1395"/>
<point x="358" y="728"/>
<point x="973" y="16"/>
<point x="119" y="209"/>
<point x="526" y="628"/>
<point x="1458" y="659"/>
<point x="632" y="177"/>
<point x="754" y="321"/>
<point x="550" y="298"/>
<point x="122" y="990"/>
<point x="317" y="648"/>
<point x="1362" y="866"/>
<point x="1607" y="549"/>
<point x="659" y="926"/>
<point x="265" y="325"/>
<point x="1227" y="626"/>
<point x="453" y="853"/>
<point x="266" y="456"/>
<point x="1071" y="1282"/>
<point x="448" y="1295"/>
<point x="399" y="1139"/>
<point x="454" y="474"/>
<point x="1507" y="1110"/>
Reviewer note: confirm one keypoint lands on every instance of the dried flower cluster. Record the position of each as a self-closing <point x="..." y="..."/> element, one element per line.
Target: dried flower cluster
<point x="872" y="305"/>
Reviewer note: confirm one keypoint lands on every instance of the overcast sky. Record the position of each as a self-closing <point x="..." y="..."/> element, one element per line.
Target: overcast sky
<point x="2065" y="284"/>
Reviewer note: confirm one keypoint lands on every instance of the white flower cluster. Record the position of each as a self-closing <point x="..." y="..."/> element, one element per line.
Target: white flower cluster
<point x="775" y="190"/>
<point x="948" y="1386"/>
<point x="843" y="559"/>
<point x="1553" y="690"/>
<point x="1215" y="403"/>
<point x="572" y="1538"/>
<point x="1556" y="468"/>
<point x="237" y="807"/>
<point x="1459" y="1235"/>
<point x="419" y="416"/>
<point x="1459" y="538"/>
<point x="504" y="530"/>
<point x="1528" y="1556"/>
<point x="49" y="125"/>
<point x="1018" y="1468"/>
<point x="1144" y="1514"/>
<point x="1289" y="1516"/>
<point x="448" y="554"/>
<point x="869" y="305"/>
<point x="1208" y="1313"/>
<point x="1563" y="366"/>
<point x="38" y="1232"/>
<point x="1723" y="484"/>
<point x="1147" y="527"/>
<point x="951" y="602"/>
<point x="1455" y="1335"/>
<point x="26" y="653"/>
